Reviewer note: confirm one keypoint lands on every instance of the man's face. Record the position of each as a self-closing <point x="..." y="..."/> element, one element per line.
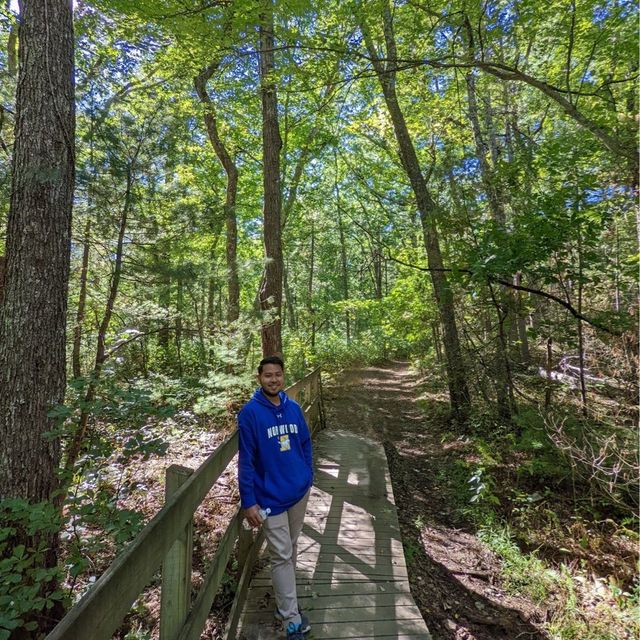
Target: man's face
<point x="271" y="379"/>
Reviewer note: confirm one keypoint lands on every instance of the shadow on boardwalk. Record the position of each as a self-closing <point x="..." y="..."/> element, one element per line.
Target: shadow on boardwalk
<point x="352" y="575"/>
<point x="450" y="572"/>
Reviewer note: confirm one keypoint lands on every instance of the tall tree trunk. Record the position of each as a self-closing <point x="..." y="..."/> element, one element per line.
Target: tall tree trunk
<point x="34" y="303"/>
<point x="549" y="386"/>
<point x="504" y="302"/>
<point x="271" y="287"/>
<point x="496" y="206"/>
<point x="312" y="259"/>
<point x="386" y="72"/>
<point x="211" y="303"/>
<point x="200" y="82"/>
<point x="33" y="307"/>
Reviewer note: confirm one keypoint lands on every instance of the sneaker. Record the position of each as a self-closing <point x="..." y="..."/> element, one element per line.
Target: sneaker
<point x="294" y="632"/>
<point x="305" y="625"/>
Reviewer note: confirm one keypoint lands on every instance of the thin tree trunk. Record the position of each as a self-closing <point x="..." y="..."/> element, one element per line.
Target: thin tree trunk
<point x="292" y="321"/>
<point x="583" y="386"/>
<point x="435" y="330"/>
<point x="82" y="299"/>
<point x="458" y="390"/>
<point x="212" y="282"/>
<point x="12" y="45"/>
<point x="164" y="298"/>
<point x="549" y="387"/>
<point x="523" y="338"/>
<point x="200" y="82"/>
<point x="376" y="259"/>
<point x="343" y="266"/>
<point x="179" y="312"/>
<point x="500" y="363"/>
<point x="270" y="294"/>
<point x="503" y="302"/>
<point x="312" y="258"/>
<point x="211" y="302"/>
<point x="76" y="444"/>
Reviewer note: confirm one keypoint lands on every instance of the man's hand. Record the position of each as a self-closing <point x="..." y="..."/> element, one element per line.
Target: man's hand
<point x="252" y="516"/>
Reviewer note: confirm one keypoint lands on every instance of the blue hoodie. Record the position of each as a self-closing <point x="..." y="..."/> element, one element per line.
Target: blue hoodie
<point x="274" y="465"/>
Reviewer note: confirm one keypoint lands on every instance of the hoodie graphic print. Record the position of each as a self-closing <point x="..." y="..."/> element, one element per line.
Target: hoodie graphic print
<point x="274" y="465"/>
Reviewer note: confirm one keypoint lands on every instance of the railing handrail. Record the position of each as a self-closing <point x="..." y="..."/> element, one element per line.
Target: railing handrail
<point x="101" y="610"/>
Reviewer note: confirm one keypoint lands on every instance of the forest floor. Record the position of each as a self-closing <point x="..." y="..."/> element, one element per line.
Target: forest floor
<point x="457" y="581"/>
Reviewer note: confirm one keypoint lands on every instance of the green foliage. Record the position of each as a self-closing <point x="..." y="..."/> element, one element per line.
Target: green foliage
<point x="25" y="582"/>
<point x="481" y="487"/>
<point x="410" y="549"/>
<point x="543" y="462"/>
<point x="358" y="289"/>
<point x="222" y="389"/>
<point x="524" y="574"/>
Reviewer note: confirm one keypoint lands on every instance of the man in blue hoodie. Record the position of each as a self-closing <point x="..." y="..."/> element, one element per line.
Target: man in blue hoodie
<point x="275" y="474"/>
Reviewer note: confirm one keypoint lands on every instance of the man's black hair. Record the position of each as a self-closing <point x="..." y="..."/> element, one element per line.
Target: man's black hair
<point x="270" y="360"/>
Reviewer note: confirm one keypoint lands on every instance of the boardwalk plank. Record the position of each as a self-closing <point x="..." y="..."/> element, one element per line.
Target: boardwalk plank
<point x="352" y="574"/>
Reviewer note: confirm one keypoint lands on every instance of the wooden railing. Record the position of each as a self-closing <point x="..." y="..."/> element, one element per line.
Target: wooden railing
<point x="167" y="541"/>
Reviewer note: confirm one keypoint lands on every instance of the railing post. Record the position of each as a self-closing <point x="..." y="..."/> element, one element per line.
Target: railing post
<point x="176" y="567"/>
<point x="245" y="542"/>
<point x="323" y="420"/>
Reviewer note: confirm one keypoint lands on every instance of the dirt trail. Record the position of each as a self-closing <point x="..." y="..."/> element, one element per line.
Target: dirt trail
<point x="454" y="578"/>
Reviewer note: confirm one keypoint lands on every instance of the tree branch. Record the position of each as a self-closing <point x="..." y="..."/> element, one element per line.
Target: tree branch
<point x="538" y="292"/>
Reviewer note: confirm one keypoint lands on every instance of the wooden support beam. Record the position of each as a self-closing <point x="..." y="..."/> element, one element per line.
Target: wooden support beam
<point x="176" y="568"/>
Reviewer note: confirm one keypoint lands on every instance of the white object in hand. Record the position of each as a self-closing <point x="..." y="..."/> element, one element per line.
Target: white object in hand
<point x="264" y="513"/>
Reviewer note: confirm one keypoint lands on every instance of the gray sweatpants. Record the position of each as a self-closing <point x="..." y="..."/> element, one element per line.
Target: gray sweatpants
<point x="282" y="533"/>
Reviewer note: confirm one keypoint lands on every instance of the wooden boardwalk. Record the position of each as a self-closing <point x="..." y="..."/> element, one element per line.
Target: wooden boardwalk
<point x="352" y="575"/>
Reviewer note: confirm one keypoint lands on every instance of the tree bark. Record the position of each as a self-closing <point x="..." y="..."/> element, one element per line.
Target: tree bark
<point x="386" y="72"/>
<point x="34" y="304"/>
<point x="3" y="265"/>
<point x="270" y="293"/>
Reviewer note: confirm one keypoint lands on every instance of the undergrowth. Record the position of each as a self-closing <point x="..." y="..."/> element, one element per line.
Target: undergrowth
<point x="547" y="526"/>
